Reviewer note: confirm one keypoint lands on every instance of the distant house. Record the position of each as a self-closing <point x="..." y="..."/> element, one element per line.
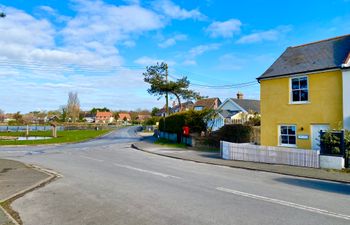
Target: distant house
<point x="235" y="111"/>
<point x="124" y="117"/>
<point x="304" y="91"/>
<point x="207" y="103"/>
<point x="104" y="117"/>
<point x="89" y="118"/>
<point x="143" y="117"/>
<point x="184" y="106"/>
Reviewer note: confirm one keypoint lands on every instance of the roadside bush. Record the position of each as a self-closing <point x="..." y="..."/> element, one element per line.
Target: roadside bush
<point x="236" y="133"/>
<point x="196" y="120"/>
<point x="151" y="121"/>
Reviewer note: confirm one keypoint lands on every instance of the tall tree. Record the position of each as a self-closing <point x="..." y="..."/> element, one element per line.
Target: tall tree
<point x="73" y="106"/>
<point x="157" y="77"/>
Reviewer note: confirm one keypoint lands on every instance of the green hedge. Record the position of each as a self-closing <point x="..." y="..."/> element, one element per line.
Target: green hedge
<point x="174" y="123"/>
<point x="236" y="133"/>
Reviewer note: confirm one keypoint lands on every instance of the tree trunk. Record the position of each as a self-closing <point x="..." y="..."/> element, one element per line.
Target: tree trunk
<point x="178" y="101"/>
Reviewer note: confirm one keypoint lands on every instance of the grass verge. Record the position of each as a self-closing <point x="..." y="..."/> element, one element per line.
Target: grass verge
<point x="68" y="136"/>
<point x="165" y="142"/>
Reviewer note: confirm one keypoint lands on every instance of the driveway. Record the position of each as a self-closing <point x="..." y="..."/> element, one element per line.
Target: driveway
<point x="106" y="182"/>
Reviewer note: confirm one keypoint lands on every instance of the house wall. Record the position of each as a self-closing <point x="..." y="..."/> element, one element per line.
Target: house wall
<point x="346" y="99"/>
<point x="324" y="107"/>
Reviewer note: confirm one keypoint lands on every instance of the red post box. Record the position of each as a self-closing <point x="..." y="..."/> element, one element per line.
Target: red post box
<point x="186" y="131"/>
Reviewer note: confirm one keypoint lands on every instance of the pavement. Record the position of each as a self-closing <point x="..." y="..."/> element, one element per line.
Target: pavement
<point x="106" y="182"/>
<point x="147" y="145"/>
<point x="15" y="179"/>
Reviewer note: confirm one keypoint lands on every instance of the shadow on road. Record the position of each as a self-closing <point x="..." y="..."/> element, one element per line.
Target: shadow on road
<point x="317" y="185"/>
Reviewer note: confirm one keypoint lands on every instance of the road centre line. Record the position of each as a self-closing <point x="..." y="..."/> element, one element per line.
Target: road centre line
<point x="147" y="171"/>
<point x="284" y="203"/>
<point x="87" y="157"/>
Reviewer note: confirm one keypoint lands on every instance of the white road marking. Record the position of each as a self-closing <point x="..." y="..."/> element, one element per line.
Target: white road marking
<point x="285" y="203"/>
<point x="147" y="171"/>
<point x="87" y="157"/>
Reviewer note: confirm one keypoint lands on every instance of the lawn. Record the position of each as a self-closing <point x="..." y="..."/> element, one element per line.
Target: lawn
<point x="62" y="137"/>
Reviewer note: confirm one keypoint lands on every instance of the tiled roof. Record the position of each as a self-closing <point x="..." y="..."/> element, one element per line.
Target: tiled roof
<point x="248" y="105"/>
<point x="104" y="114"/>
<point x="316" y="56"/>
<point x="206" y="103"/>
<point x="124" y="115"/>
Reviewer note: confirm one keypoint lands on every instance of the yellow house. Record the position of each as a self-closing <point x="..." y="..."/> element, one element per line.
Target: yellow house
<point x="307" y="89"/>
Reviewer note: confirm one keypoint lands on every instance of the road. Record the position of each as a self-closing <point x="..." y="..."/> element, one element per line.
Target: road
<point x="105" y="182"/>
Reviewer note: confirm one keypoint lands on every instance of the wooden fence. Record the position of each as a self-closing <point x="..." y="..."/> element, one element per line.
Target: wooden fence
<point x="267" y="154"/>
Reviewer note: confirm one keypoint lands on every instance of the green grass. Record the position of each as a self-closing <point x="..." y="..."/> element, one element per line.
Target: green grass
<point x="168" y="143"/>
<point x="62" y="137"/>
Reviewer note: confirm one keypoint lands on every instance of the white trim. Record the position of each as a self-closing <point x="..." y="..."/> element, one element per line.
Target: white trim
<point x="229" y="99"/>
<point x="291" y="90"/>
<point x="279" y="136"/>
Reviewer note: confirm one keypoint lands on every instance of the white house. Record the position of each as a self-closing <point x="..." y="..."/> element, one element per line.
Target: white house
<point x="235" y="111"/>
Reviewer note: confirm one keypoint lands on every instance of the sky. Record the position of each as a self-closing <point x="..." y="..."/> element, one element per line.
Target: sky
<point x="100" y="48"/>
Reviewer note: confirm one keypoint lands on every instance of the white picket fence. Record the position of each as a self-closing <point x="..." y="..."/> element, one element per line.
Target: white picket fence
<point x="269" y="154"/>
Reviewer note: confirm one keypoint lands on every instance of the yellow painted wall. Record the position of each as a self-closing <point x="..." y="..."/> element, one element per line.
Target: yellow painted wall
<point x="324" y="107"/>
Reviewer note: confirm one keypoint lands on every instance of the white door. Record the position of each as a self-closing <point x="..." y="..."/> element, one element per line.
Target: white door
<point x="315" y="134"/>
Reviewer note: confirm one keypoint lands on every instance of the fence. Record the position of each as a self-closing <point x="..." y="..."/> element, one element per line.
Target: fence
<point x="267" y="154"/>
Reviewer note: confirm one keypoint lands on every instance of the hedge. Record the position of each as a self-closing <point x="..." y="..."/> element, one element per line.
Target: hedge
<point x="236" y="133"/>
<point x="174" y="123"/>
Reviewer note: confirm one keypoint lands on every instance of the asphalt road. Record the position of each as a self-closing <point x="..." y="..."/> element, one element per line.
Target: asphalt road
<point x="106" y="182"/>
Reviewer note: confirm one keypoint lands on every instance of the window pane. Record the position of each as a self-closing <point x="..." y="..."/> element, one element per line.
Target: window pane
<point x="304" y="95"/>
<point x="291" y="130"/>
<point x="303" y="83"/>
<point x="295" y="83"/>
<point x="296" y="96"/>
<point x="284" y="139"/>
<point x="292" y="140"/>
<point x="284" y="130"/>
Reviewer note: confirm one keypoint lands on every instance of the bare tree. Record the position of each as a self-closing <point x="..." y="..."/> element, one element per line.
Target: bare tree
<point x="73" y="106"/>
<point x="2" y="115"/>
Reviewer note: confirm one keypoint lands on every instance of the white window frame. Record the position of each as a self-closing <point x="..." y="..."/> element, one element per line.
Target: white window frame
<point x="291" y="90"/>
<point x="280" y="139"/>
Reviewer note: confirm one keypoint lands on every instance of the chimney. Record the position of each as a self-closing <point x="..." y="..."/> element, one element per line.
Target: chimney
<point x="239" y="95"/>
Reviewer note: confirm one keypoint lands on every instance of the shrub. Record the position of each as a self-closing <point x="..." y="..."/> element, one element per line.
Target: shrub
<point x="174" y="123"/>
<point x="151" y="121"/>
<point x="236" y="133"/>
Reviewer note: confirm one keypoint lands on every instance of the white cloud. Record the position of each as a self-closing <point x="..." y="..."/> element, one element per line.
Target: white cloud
<point x="201" y="49"/>
<point x="190" y="62"/>
<point x="224" y="29"/>
<point x="147" y="61"/>
<point x="172" y="41"/>
<point x="269" y="35"/>
<point x="231" y="62"/>
<point x="170" y="9"/>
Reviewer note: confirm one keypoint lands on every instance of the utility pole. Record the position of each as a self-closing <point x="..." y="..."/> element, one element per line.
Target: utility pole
<point x="166" y="95"/>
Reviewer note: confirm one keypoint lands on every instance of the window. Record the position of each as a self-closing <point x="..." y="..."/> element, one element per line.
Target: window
<point x="198" y="108"/>
<point x="288" y="135"/>
<point x="299" y="89"/>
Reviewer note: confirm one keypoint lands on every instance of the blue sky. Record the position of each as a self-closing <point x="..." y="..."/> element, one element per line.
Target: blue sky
<point x="100" y="48"/>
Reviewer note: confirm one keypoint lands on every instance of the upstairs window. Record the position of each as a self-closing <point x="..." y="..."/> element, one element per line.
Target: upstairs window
<point x="300" y="89"/>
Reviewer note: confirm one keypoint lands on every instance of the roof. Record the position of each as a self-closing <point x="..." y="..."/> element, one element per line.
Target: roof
<point x="124" y="115"/>
<point x="248" y="105"/>
<point x="104" y="114"/>
<point x="316" y="56"/>
<point x="207" y="103"/>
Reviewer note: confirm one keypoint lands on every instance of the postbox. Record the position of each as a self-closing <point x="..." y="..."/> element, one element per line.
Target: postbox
<point x="186" y="130"/>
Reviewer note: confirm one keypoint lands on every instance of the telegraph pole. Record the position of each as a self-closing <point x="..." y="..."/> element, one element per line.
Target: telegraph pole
<point x="166" y="94"/>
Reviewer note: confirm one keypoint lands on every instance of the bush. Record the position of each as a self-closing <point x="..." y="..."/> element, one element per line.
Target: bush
<point x="151" y="121"/>
<point x="236" y="133"/>
<point x="174" y="123"/>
